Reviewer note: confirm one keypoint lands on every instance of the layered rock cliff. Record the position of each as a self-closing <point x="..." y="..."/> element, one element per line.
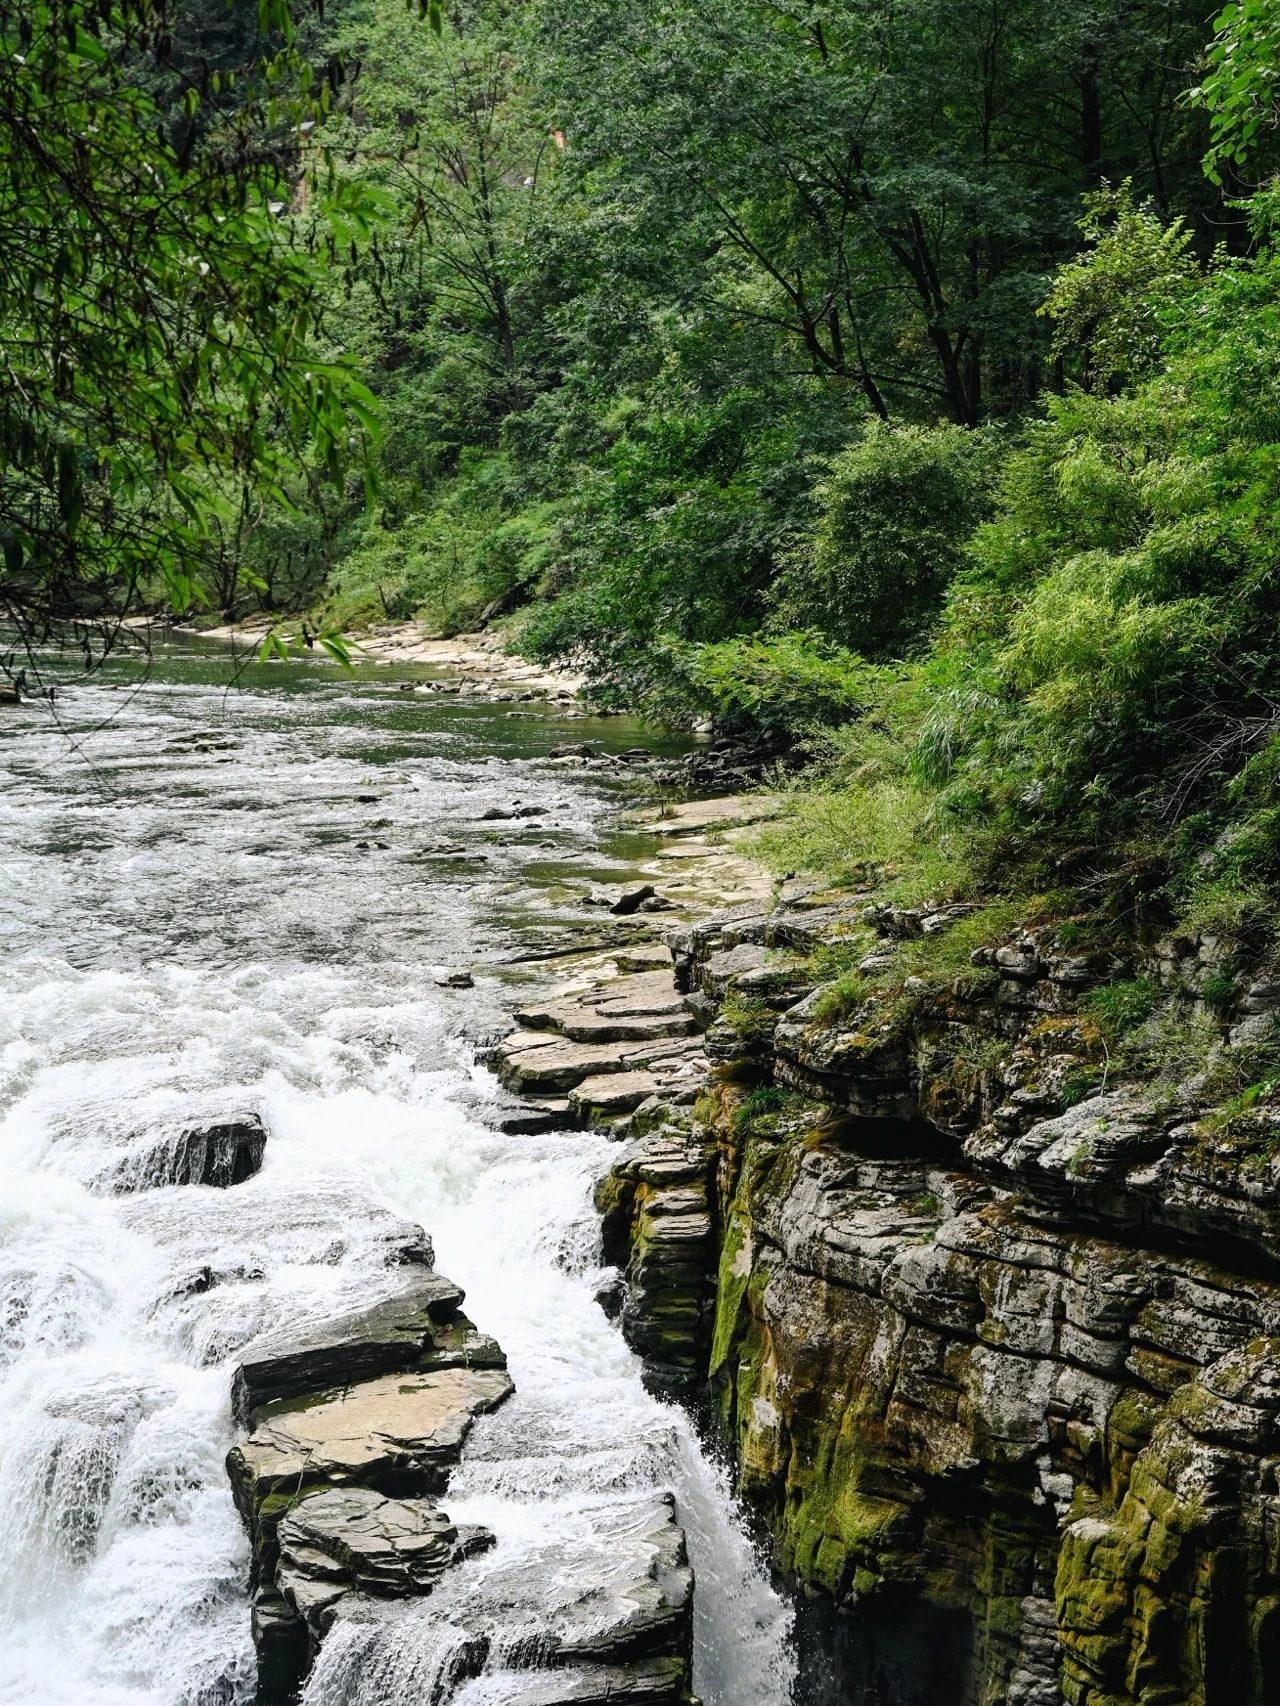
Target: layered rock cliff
<point x="971" y="1243"/>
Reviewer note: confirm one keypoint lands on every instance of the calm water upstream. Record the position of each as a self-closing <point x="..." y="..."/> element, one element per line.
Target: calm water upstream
<point x="191" y="925"/>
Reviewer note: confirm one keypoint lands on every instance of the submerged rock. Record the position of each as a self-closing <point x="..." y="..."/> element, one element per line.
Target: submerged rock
<point x="223" y="1153"/>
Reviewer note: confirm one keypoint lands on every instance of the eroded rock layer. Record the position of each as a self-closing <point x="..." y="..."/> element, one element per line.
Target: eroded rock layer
<point x="352" y="1431"/>
<point x="985" y="1332"/>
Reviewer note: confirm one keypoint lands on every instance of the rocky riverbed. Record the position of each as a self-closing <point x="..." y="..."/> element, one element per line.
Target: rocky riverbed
<point x="256" y="940"/>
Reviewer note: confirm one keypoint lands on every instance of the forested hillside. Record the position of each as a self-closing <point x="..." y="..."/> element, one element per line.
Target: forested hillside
<point x="900" y="382"/>
<point x="648" y="280"/>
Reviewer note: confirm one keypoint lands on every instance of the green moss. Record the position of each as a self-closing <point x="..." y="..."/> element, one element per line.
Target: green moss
<point x="731" y="1290"/>
<point x="843" y="1538"/>
<point x="753" y="1020"/>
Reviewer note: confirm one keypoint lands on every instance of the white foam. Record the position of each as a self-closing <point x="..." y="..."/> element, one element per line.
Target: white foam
<point x="192" y="935"/>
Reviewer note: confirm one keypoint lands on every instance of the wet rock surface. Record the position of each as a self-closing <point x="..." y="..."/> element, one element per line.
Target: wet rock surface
<point x="633" y="1028"/>
<point x="350" y="1432"/>
<point x="352" y="1539"/>
<point x="353" y="1431"/>
<point x="408" y="1328"/>
<point x="223" y="1153"/>
<point x="399" y="1432"/>
<point x="657" y="1682"/>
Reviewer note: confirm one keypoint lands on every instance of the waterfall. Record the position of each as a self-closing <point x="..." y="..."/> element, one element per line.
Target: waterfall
<point x="193" y="939"/>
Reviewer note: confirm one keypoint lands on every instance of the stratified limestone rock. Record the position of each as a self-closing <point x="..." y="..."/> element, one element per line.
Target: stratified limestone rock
<point x="534" y="1062"/>
<point x="620" y="1594"/>
<point x="605" y="1027"/>
<point x="348" y="1540"/>
<point x="399" y="1434"/>
<point x="416" y="1326"/>
<point x="223" y="1153"/>
<point x="1019" y="1362"/>
<point x="539" y="1062"/>
<point x="659" y="1228"/>
<point x="1129" y="1162"/>
<point x="655" y="1682"/>
<point x="1173" y="1594"/>
<point x="625" y="1027"/>
<point x="605" y="1098"/>
<point x="863" y="1067"/>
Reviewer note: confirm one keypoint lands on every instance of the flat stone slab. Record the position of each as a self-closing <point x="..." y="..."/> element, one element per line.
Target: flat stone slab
<point x="642" y="960"/>
<point x="585" y="1025"/>
<point x="656" y="1682"/>
<point x="530" y="1120"/>
<point x="617" y="1093"/>
<point x="559" y="1065"/>
<point x="400" y="1433"/>
<point x="726" y="811"/>
<point x="647" y="992"/>
<point x="351" y="1539"/>
<point x="394" y="1333"/>
<point x="625" y="1009"/>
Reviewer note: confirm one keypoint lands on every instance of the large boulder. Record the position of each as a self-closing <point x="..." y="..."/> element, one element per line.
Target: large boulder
<point x="400" y="1434"/>
<point x="224" y="1152"/>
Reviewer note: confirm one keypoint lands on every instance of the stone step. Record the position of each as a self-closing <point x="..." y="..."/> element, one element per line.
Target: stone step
<point x="609" y="1096"/>
<point x="585" y="1026"/>
<point x="580" y="1022"/>
<point x="560" y="1064"/>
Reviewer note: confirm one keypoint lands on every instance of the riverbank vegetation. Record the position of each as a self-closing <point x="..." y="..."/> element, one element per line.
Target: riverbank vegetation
<point x="898" y="383"/>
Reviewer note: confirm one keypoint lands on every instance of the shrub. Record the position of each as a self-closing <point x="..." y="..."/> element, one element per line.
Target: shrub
<point x="894" y="512"/>
<point x="781" y="682"/>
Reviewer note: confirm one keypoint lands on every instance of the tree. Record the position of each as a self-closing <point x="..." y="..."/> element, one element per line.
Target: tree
<point x="894" y="513"/>
<point x="888" y="186"/>
<point x="160" y="333"/>
<point x="1242" y="84"/>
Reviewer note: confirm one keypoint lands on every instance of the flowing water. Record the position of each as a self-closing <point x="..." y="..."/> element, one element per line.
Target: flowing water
<point x="192" y="926"/>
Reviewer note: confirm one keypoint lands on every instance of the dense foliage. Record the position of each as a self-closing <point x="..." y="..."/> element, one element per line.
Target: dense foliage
<point x="1097" y="712"/>
<point x="163" y="364"/>
<point x="649" y="277"/>
<point x="899" y="382"/>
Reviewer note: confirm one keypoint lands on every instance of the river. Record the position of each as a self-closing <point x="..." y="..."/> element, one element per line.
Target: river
<point x="217" y="897"/>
